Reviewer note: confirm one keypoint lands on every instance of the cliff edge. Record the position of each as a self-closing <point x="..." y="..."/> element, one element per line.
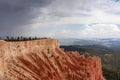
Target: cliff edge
<point x="44" y="60"/>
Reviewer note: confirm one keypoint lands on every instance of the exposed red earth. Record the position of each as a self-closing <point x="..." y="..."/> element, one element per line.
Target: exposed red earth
<point x="44" y="60"/>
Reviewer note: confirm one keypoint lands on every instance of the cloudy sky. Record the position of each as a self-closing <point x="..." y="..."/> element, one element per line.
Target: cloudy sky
<point x="60" y="18"/>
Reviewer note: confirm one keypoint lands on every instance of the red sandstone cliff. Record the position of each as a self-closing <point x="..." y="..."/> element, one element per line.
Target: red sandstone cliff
<point x="44" y="60"/>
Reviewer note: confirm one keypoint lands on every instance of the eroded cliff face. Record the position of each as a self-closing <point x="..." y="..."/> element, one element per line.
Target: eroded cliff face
<point x="44" y="60"/>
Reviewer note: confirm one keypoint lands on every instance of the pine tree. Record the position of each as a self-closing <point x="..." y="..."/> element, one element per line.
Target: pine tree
<point x="7" y="38"/>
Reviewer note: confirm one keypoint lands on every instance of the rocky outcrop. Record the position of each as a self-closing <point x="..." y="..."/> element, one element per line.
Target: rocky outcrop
<point x="44" y="60"/>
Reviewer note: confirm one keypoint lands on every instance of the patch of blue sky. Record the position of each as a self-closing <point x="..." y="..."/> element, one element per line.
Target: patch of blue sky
<point x="69" y="27"/>
<point x="116" y="0"/>
<point x="118" y="25"/>
<point x="92" y="24"/>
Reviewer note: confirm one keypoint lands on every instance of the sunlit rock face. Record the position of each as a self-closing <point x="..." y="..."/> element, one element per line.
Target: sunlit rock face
<point x="44" y="60"/>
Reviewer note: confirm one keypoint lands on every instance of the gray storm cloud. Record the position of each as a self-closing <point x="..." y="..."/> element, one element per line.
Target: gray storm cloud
<point x="14" y="14"/>
<point x="38" y="17"/>
<point x="17" y="16"/>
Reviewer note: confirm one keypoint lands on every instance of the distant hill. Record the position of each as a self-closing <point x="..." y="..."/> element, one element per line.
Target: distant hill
<point x="88" y="48"/>
<point x="107" y="43"/>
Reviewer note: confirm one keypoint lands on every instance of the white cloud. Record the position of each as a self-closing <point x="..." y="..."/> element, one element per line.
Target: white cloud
<point x="78" y="12"/>
<point x="101" y="31"/>
<point x="90" y="31"/>
<point x="105" y="13"/>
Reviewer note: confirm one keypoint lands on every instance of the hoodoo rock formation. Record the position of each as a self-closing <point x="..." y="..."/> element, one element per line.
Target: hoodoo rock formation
<point x="44" y="60"/>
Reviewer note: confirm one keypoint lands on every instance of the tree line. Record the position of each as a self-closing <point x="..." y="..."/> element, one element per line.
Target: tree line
<point x="21" y="38"/>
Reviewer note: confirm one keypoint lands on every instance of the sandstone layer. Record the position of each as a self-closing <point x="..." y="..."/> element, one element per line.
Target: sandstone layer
<point x="44" y="60"/>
